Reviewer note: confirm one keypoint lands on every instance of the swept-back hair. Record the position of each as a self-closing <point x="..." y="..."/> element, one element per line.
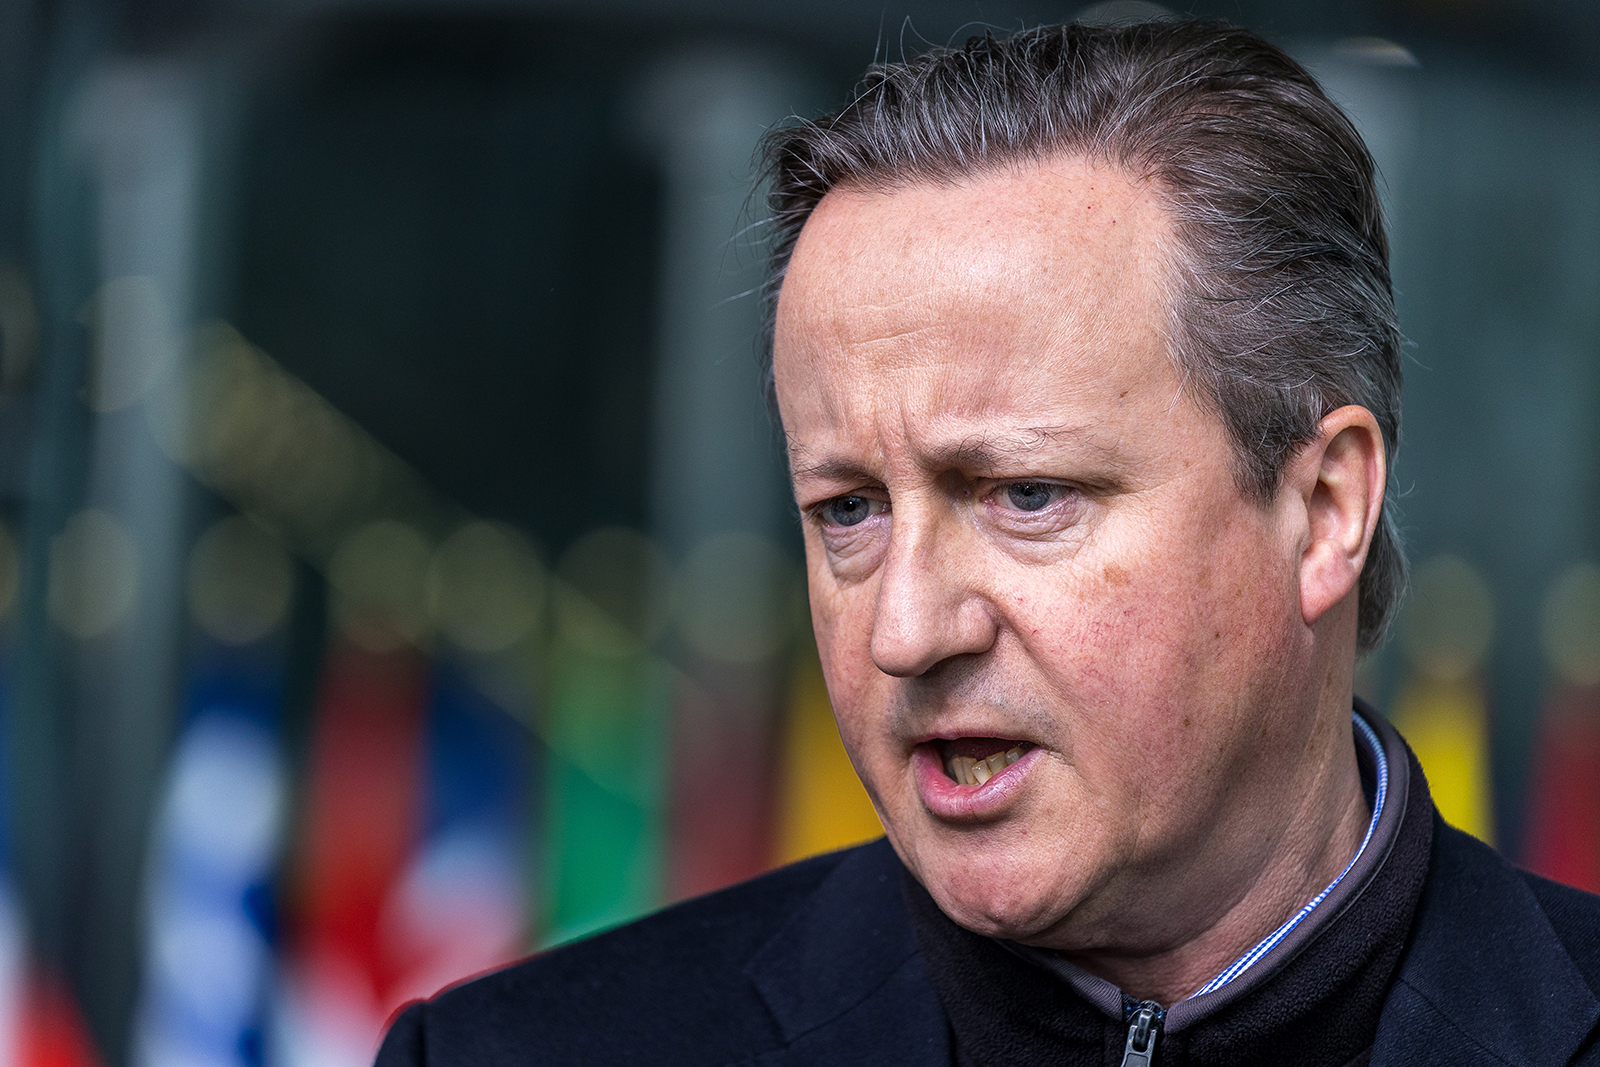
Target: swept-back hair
<point x="1282" y="307"/>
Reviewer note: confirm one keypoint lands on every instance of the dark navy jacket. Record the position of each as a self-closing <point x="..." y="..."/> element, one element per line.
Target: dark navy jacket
<point x="817" y="964"/>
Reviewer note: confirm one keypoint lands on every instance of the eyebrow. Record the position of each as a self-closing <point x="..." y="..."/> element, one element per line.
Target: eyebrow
<point x="976" y="452"/>
<point x="986" y="451"/>
<point x="832" y="470"/>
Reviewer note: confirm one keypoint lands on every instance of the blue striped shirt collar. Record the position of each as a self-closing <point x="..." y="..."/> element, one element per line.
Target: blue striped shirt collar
<point x="1366" y="736"/>
<point x="1109" y="999"/>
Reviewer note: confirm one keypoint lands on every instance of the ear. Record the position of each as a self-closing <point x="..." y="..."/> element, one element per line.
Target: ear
<point x="1339" y="479"/>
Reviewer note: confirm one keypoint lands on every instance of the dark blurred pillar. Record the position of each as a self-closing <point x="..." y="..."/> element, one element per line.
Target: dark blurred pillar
<point x="131" y="137"/>
<point x="45" y="821"/>
<point x="720" y="497"/>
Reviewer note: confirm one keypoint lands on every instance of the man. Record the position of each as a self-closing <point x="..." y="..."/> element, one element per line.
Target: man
<point x="1085" y="351"/>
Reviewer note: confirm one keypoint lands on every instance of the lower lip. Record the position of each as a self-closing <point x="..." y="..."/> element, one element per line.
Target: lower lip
<point x="945" y="799"/>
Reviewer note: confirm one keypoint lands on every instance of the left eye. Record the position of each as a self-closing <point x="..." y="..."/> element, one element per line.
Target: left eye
<point x="1031" y="496"/>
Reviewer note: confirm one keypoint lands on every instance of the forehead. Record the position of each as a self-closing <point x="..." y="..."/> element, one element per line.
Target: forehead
<point x="1026" y="288"/>
<point x="1052" y="220"/>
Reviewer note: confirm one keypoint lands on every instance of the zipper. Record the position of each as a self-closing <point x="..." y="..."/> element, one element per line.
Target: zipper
<point x="1144" y="1027"/>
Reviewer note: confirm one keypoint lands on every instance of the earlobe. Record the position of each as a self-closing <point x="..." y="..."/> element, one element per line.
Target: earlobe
<point x="1342" y="475"/>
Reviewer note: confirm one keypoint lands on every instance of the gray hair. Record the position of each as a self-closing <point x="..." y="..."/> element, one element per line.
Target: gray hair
<point x="1283" y="309"/>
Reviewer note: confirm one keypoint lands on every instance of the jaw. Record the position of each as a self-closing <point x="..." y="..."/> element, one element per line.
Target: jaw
<point x="1017" y="868"/>
<point x="1024" y="883"/>
<point x="994" y="882"/>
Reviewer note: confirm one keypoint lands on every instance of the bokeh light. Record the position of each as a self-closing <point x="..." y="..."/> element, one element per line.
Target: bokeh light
<point x="485" y="587"/>
<point x="240" y="581"/>
<point x="1450" y="620"/>
<point x="94" y="574"/>
<point x="734" y="597"/>
<point x="379" y="576"/>
<point x="613" y="596"/>
<point x="1571" y="625"/>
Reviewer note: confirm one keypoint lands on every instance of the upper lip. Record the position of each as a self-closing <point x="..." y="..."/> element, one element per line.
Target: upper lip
<point x="996" y="731"/>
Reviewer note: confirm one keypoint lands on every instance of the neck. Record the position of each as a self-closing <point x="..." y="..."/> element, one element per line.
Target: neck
<point x="1327" y="822"/>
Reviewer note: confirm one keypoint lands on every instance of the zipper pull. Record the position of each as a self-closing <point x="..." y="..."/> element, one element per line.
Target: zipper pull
<point x="1143" y="1029"/>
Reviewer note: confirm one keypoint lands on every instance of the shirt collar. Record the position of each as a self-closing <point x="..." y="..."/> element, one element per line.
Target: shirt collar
<point x="1384" y="765"/>
<point x="1367" y="739"/>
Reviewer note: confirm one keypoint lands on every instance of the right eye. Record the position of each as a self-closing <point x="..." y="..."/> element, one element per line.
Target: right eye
<point x="849" y="510"/>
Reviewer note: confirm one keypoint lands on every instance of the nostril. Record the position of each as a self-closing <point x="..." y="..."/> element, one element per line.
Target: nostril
<point x="926" y="612"/>
<point x="903" y="651"/>
<point x="913" y="653"/>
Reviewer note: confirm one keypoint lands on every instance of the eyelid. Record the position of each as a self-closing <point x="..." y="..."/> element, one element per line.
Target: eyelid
<point x="1054" y="483"/>
<point x="872" y="496"/>
<point x="1064" y="491"/>
<point x="864" y="492"/>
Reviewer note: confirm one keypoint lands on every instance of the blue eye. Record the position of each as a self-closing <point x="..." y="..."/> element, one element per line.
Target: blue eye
<point x="846" y="510"/>
<point x="1031" y="496"/>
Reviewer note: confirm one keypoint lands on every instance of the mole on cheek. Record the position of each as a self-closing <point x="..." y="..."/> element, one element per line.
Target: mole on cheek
<point x="1115" y="576"/>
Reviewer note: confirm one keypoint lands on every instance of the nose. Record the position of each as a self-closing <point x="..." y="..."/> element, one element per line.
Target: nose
<point x="930" y="606"/>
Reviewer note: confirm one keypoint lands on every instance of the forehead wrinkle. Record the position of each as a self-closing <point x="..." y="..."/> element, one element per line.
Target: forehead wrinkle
<point x="987" y="449"/>
<point x="892" y="350"/>
<point x="976" y="451"/>
<point x="984" y="448"/>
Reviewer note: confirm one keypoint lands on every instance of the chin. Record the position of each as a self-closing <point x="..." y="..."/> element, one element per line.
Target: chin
<point x="997" y="898"/>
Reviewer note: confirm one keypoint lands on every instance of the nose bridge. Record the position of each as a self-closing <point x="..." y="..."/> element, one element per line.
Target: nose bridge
<point x="928" y="609"/>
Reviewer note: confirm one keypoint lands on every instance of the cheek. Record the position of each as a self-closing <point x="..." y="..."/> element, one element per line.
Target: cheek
<point x="832" y="618"/>
<point x="1204" y="600"/>
<point x="1143" y="644"/>
<point x="841" y="618"/>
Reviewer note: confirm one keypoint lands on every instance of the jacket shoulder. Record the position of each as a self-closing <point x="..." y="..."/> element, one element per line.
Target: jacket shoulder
<point x="675" y="987"/>
<point x="1575" y="917"/>
<point x="1489" y="974"/>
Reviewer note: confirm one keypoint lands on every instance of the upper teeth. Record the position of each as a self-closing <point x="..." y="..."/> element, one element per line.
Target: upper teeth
<point x="967" y="770"/>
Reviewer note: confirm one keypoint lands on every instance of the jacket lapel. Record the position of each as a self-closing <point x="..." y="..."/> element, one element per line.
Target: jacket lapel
<point x="843" y="978"/>
<point x="1485" y="979"/>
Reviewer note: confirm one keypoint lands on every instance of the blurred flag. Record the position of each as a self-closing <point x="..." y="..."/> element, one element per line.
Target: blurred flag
<point x="606" y="716"/>
<point x="822" y="805"/>
<point x="52" y="1032"/>
<point x="210" y="918"/>
<point x="1563" y="834"/>
<point x="1563" y="837"/>
<point x="605" y="794"/>
<point x="720" y="798"/>
<point x="459" y="907"/>
<point x="410" y="875"/>
<point x="360" y="827"/>
<point x="1446" y="722"/>
<point x="734" y="614"/>
<point x="1441" y="709"/>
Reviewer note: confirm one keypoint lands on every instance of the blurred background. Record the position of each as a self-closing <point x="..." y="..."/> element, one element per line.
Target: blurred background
<point x="397" y="568"/>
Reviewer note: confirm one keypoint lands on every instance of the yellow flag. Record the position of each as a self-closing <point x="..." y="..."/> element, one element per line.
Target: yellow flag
<point x="1446" y="723"/>
<point x="821" y="803"/>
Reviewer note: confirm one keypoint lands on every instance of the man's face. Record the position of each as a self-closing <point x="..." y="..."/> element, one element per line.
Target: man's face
<point x="1024" y="538"/>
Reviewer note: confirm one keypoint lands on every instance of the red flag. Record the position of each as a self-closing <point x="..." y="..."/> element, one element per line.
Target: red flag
<point x="1563" y="836"/>
<point x="360" y="829"/>
<point x="52" y="1031"/>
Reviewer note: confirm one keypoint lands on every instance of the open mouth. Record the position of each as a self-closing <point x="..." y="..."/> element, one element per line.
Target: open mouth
<point x="975" y="760"/>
